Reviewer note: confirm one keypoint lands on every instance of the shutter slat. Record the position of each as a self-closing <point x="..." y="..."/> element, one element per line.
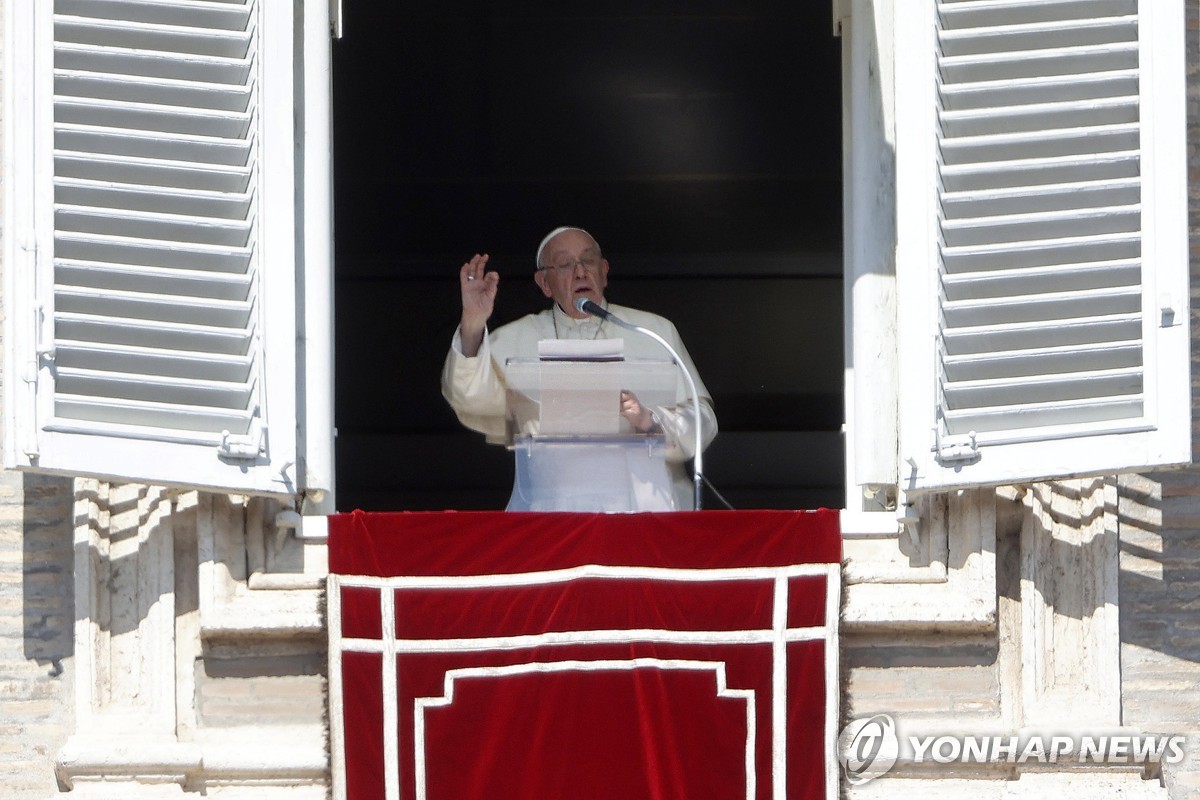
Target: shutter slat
<point x="1003" y="283"/>
<point x="1042" y="252"/>
<point x="151" y="117"/>
<point x="143" y="333"/>
<point x="217" y="15"/>
<point x="190" y="94"/>
<point x="1028" y="390"/>
<point x="177" y="147"/>
<point x="150" y="36"/>
<point x="1053" y="143"/>
<point x="1043" y="307"/>
<point x="1038" y="63"/>
<point x="1041" y="171"/>
<point x="173" y="200"/>
<point x="1069" y="223"/>
<point x="152" y="307"/>
<point x="1043" y="415"/>
<point x="993" y="94"/>
<point x="1037" y="35"/>
<point x="157" y="389"/>
<point x="143" y="252"/>
<point x="1052" y="197"/>
<point x="189" y="283"/>
<point x="140" y="415"/>
<point x="151" y="172"/>
<point x="123" y="61"/>
<point x="1086" y="331"/>
<point x="1040" y="116"/>
<point x="154" y="226"/>
<point x="154" y="361"/>
<point x="1042" y="361"/>
<point x="1001" y="12"/>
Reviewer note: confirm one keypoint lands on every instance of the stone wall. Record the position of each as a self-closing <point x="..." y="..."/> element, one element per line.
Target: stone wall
<point x="238" y="706"/>
<point x="36" y="632"/>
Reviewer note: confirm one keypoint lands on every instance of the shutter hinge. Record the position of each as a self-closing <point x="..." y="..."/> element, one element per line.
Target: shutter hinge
<point x="244" y="446"/>
<point x="1167" y="307"/>
<point x="910" y="523"/>
<point x="43" y="345"/>
<point x="958" y="452"/>
<point x="45" y="338"/>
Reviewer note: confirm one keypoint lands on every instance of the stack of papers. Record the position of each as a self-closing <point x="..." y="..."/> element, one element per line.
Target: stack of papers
<point x="581" y="349"/>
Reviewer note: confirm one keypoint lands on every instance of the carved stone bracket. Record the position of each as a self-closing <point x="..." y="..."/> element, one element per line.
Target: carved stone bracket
<point x="146" y="563"/>
<point x="948" y="582"/>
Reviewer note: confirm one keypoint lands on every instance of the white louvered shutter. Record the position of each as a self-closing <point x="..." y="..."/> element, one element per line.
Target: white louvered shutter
<point x="1042" y="239"/>
<point x="151" y="269"/>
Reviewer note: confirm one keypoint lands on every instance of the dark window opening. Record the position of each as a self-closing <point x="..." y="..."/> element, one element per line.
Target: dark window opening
<point x="700" y="143"/>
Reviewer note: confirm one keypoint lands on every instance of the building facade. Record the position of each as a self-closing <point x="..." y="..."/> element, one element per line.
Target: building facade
<point x="165" y="639"/>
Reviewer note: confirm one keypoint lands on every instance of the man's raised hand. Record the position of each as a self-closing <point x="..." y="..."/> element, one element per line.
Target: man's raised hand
<point x="478" y="299"/>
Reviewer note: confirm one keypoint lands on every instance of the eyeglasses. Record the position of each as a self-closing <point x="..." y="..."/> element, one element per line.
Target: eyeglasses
<point x="591" y="263"/>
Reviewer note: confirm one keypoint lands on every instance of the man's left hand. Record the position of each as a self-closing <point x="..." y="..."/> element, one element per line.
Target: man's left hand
<point x="638" y="415"/>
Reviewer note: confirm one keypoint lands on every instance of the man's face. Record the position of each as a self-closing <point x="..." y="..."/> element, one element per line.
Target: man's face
<point x="574" y="269"/>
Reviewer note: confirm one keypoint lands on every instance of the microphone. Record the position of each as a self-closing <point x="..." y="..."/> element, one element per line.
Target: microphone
<point x="586" y="306"/>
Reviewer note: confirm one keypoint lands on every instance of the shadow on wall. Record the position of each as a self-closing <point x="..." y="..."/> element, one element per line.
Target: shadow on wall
<point x="48" y="584"/>
<point x="1067" y="546"/>
<point x="1160" y="563"/>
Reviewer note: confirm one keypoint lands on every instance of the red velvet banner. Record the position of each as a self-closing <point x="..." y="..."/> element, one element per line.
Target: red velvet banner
<point x="536" y="656"/>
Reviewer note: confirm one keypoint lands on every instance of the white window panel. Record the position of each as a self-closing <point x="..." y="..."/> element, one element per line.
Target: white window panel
<point x="152" y="267"/>
<point x="1041" y="240"/>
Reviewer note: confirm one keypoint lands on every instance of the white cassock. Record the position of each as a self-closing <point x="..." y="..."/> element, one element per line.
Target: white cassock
<point x="475" y="387"/>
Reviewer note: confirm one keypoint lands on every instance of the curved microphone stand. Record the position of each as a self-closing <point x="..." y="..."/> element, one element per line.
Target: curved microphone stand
<point x="586" y="306"/>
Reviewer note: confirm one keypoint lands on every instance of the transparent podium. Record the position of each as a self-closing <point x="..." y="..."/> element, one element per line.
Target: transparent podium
<point x="573" y="450"/>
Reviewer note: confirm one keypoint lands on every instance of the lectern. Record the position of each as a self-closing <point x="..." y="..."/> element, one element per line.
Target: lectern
<point x="573" y="450"/>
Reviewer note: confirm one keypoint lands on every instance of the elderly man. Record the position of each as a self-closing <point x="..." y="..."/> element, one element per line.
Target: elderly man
<point x="569" y="266"/>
